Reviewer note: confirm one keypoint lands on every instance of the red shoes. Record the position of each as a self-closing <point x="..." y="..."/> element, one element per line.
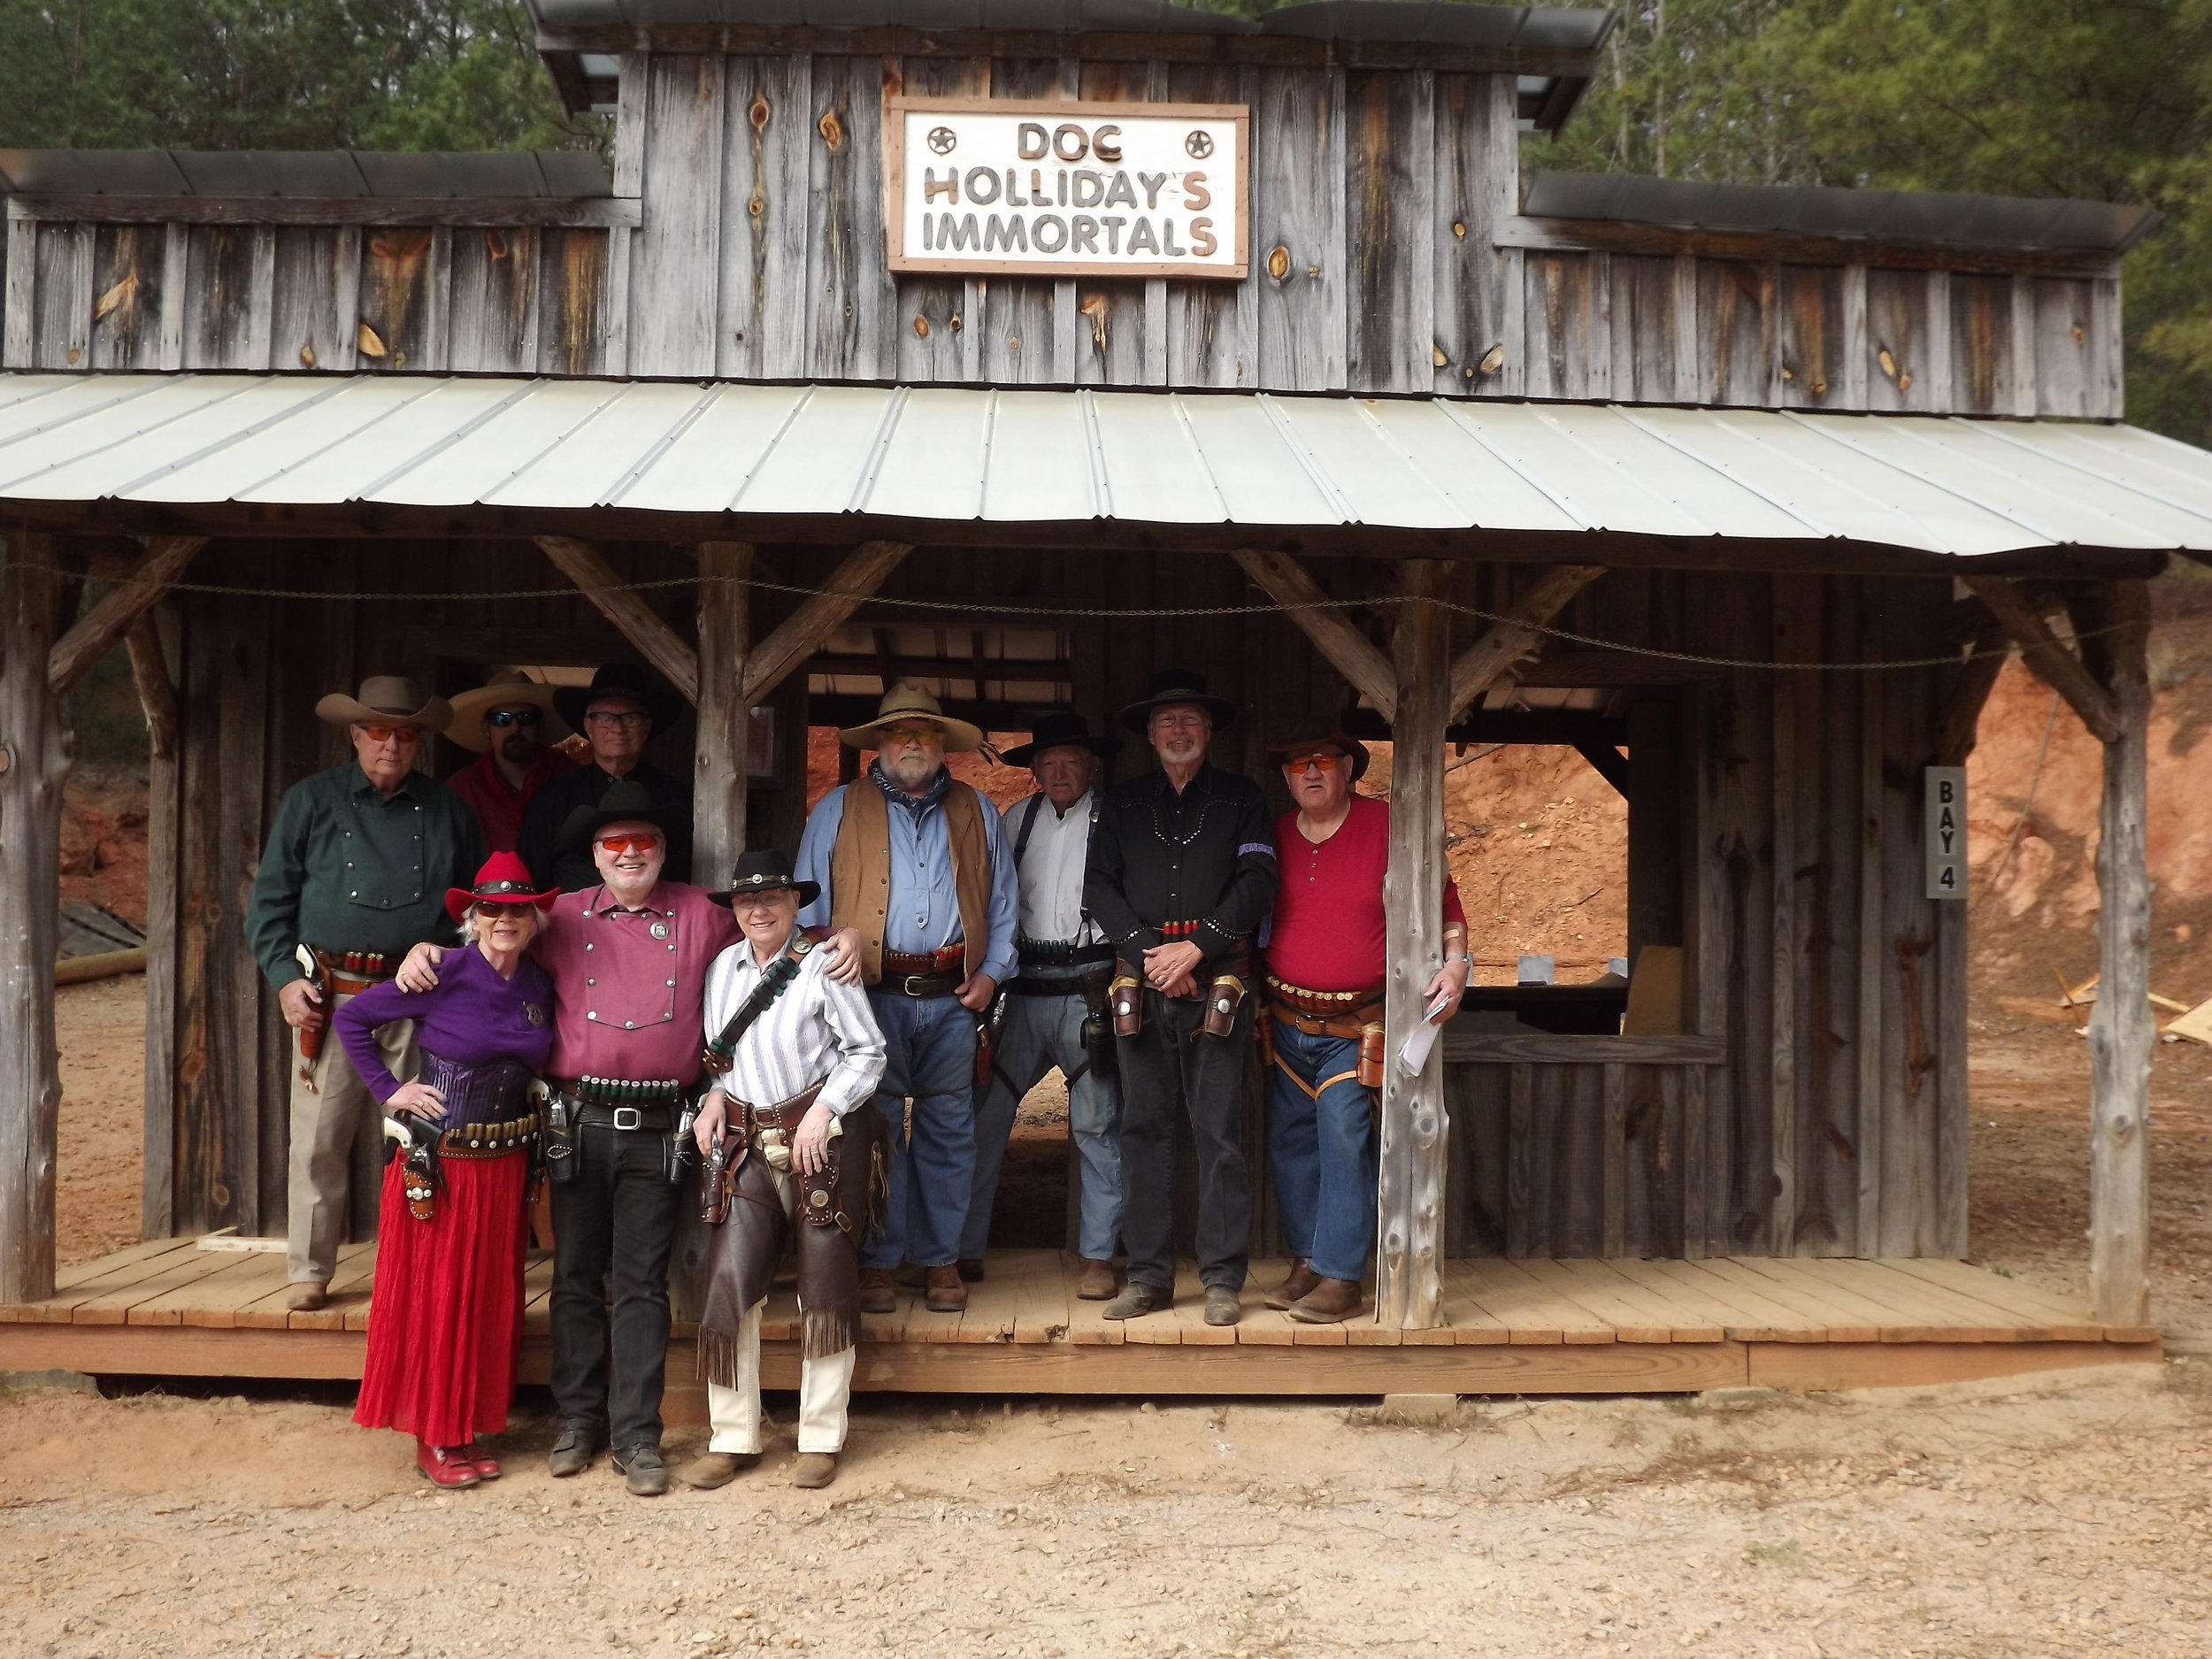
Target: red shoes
<point x="486" y="1465"/>
<point x="448" y="1466"/>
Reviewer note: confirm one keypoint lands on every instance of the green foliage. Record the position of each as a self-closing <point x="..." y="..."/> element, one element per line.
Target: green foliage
<point x="278" y="74"/>
<point x="2012" y="97"/>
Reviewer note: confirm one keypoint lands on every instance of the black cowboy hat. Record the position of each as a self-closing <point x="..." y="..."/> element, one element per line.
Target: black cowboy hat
<point x="1308" y="735"/>
<point x="624" y="802"/>
<point x="617" y="680"/>
<point x="1178" y="685"/>
<point x="1068" y="730"/>
<point x="766" y="871"/>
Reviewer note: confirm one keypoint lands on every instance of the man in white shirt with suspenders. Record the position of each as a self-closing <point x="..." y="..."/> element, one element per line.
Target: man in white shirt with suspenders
<point x="1056" y="1008"/>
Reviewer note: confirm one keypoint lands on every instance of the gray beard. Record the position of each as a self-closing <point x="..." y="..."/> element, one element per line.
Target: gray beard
<point x="911" y="774"/>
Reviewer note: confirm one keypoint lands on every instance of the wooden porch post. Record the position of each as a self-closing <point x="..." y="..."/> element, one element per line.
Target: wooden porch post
<point x="1409" y="1279"/>
<point x="718" y="812"/>
<point x="2121" y="1027"/>
<point x="34" y="760"/>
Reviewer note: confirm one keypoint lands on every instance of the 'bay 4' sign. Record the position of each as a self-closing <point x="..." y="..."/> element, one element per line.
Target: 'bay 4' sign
<point x="1054" y="189"/>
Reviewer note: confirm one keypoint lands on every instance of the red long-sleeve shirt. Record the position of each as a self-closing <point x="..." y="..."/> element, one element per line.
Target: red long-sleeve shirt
<point x="1329" y="932"/>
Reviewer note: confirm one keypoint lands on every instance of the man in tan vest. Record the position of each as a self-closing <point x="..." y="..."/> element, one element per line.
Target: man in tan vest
<point x="919" y="864"/>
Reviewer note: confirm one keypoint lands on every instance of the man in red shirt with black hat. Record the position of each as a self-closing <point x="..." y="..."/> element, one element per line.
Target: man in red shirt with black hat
<point x="1326" y="963"/>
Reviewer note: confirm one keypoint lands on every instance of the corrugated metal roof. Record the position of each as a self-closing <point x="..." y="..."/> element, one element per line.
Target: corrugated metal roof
<point x="1931" y="484"/>
<point x="1925" y="216"/>
<point x="422" y="175"/>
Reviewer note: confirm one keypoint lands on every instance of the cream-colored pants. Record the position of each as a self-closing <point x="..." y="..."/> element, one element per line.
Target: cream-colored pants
<point x="825" y="1385"/>
<point x="337" y="1132"/>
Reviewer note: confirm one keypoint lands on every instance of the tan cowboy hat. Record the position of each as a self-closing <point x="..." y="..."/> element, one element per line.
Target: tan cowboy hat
<point x="506" y="689"/>
<point x="386" y="700"/>
<point x="907" y="702"/>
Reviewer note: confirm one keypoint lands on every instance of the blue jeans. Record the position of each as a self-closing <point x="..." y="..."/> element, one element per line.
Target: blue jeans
<point x="1042" y="1033"/>
<point x="1324" y="1155"/>
<point x="929" y="1059"/>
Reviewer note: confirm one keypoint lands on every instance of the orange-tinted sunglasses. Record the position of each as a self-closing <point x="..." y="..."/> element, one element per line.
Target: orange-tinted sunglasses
<point x="385" y="734"/>
<point x="629" y="843"/>
<point x="1320" y="760"/>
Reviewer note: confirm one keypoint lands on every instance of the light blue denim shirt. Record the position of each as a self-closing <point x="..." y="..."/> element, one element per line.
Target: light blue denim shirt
<point x="924" y="909"/>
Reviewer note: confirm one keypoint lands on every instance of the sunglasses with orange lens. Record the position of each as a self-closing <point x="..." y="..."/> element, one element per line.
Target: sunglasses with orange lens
<point x="385" y="734"/>
<point x="618" y="844"/>
<point x="1320" y="760"/>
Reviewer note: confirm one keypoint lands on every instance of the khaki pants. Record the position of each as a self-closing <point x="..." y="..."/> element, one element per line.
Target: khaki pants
<point x="825" y="1385"/>
<point x="336" y="1127"/>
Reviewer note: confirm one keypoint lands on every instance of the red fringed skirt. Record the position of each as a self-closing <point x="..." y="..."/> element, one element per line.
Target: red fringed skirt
<point x="445" y="1317"/>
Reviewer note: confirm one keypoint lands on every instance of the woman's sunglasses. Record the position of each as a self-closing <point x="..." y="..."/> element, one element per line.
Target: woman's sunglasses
<point x="492" y="912"/>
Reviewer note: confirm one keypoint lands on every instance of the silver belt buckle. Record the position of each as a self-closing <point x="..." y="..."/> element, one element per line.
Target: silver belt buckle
<point x="907" y="987"/>
<point x="628" y="1118"/>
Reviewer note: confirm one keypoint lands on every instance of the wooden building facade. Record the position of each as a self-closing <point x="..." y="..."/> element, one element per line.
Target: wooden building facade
<point x="1768" y="700"/>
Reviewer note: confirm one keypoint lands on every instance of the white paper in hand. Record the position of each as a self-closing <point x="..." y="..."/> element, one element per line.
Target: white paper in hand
<point x="1415" y="1055"/>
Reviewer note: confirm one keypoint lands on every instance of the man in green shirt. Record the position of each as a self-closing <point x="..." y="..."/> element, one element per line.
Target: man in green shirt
<point x="355" y="873"/>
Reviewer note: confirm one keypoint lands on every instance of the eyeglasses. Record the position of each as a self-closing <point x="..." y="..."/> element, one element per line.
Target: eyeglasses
<point x="388" y="733"/>
<point x="912" y="734"/>
<point x="609" y="717"/>
<point x="629" y="843"/>
<point x="504" y="717"/>
<point x="491" y="912"/>
<point x="1320" y="760"/>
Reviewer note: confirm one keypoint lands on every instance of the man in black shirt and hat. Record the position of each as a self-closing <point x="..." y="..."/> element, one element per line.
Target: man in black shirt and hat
<point x="1182" y="870"/>
<point x="617" y="713"/>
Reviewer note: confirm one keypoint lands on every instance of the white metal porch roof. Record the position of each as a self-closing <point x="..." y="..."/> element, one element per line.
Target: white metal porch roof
<point x="1944" y="486"/>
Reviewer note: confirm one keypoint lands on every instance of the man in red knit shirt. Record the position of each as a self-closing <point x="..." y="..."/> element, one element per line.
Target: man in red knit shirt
<point x="1326" y="963"/>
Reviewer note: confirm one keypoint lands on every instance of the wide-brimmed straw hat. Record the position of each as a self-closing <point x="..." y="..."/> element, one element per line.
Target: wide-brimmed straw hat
<point x="909" y="701"/>
<point x="506" y="689"/>
<point x="1060" y="730"/>
<point x="617" y="679"/>
<point x="504" y="879"/>
<point x="1178" y="685"/>
<point x="626" y="802"/>
<point x="766" y="871"/>
<point x="1308" y="735"/>
<point x="386" y="700"/>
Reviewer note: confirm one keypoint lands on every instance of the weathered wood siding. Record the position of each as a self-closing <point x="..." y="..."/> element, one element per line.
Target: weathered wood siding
<point x="1381" y="205"/>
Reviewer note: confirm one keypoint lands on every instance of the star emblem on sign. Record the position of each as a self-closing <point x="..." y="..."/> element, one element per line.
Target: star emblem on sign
<point x="1198" y="144"/>
<point x="941" y="139"/>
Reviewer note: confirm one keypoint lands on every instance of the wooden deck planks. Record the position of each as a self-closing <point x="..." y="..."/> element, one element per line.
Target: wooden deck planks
<point x="172" y="1309"/>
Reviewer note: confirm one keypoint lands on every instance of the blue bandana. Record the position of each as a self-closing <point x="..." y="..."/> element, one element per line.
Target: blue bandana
<point x="915" y="805"/>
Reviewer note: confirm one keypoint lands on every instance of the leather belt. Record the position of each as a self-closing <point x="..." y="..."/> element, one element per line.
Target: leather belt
<point x="919" y="984"/>
<point x="1046" y="954"/>
<point x="1090" y="983"/>
<point x="490" y="1141"/>
<point x="1323" y="1013"/>
<point x="907" y="963"/>
<point x="656" y="1119"/>
<point x="351" y="973"/>
<point x="619" y="1091"/>
<point x="785" y="1116"/>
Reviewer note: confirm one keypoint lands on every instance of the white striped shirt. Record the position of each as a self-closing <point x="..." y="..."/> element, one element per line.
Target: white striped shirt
<point x="817" y="1029"/>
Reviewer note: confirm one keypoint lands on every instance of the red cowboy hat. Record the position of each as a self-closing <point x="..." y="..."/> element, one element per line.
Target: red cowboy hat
<point x="505" y="879"/>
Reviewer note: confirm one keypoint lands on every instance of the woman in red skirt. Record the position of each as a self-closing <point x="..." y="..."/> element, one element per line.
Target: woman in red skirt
<point x="446" y="1318"/>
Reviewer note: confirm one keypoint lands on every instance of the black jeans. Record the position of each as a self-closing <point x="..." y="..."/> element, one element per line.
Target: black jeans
<point x="618" y="1212"/>
<point x="1167" y="1070"/>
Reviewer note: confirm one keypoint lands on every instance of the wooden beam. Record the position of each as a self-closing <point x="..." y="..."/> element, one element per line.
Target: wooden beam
<point x="2121" y="1027"/>
<point x="717" y="797"/>
<point x="1607" y="760"/>
<point x="1351" y="653"/>
<point x="115" y="611"/>
<point x="157" y="1146"/>
<point x="1482" y="665"/>
<point x="799" y="635"/>
<point x="2049" y="659"/>
<point x="1955" y="735"/>
<point x="34" y="761"/>
<point x="1409" y="1268"/>
<point x="637" y="621"/>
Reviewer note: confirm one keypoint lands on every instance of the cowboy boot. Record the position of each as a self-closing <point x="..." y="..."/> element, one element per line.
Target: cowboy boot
<point x="1330" y="1301"/>
<point x="814" y="1469"/>
<point x="1303" y="1278"/>
<point x="877" y="1295"/>
<point x="946" y="1293"/>
<point x="1097" y="1281"/>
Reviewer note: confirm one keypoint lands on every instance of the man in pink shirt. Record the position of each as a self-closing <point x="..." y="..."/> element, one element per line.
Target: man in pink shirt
<point x="1326" y="963"/>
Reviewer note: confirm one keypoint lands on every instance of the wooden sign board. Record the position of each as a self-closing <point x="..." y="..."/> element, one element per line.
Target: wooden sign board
<point x="998" y="187"/>
<point x="1946" y="831"/>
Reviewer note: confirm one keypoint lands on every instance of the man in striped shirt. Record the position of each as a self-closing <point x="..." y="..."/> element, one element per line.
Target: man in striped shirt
<point x="800" y="1056"/>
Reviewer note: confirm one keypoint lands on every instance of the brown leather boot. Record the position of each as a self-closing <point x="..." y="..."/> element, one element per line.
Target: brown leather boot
<point x="815" y="1469"/>
<point x="1302" y="1279"/>
<point x="1096" y="1282"/>
<point x="945" y="1294"/>
<point x="306" y="1296"/>
<point x="1330" y="1301"/>
<point x="877" y="1294"/>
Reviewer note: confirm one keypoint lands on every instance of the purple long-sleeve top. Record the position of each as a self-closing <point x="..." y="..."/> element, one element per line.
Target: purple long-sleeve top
<point x="472" y="1017"/>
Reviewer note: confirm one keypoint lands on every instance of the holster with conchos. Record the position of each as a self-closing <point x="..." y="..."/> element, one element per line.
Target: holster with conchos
<point x="1125" y="1005"/>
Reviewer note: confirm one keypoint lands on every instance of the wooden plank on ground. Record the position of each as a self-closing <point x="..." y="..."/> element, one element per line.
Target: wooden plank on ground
<point x="1823" y="1287"/>
<point x="104" y="1273"/>
<point x="1465" y="1321"/>
<point x="1920" y="1364"/>
<point x="348" y="1309"/>
<point x="1261" y="1326"/>
<point x="992" y="1304"/>
<point x="2068" y="1321"/>
<point x="1531" y="1312"/>
<point x="114" y="1300"/>
<point x="1362" y="1330"/>
<point x="1088" y="1326"/>
<point x="1876" y="1280"/>
<point x="233" y="1280"/>
<point x="1630" y="1317"/>
<point x="1842" y="1324"/>
<point x="1190" y="1314"/>
<point x="1040" y="1312"/>
<point x="1747" y="1315"/>
<point x="1683" y="1324"/>
<point x="1158" y="1329"/>
<point x="221" y="1313"/>
<point x="69" y="1278"/>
